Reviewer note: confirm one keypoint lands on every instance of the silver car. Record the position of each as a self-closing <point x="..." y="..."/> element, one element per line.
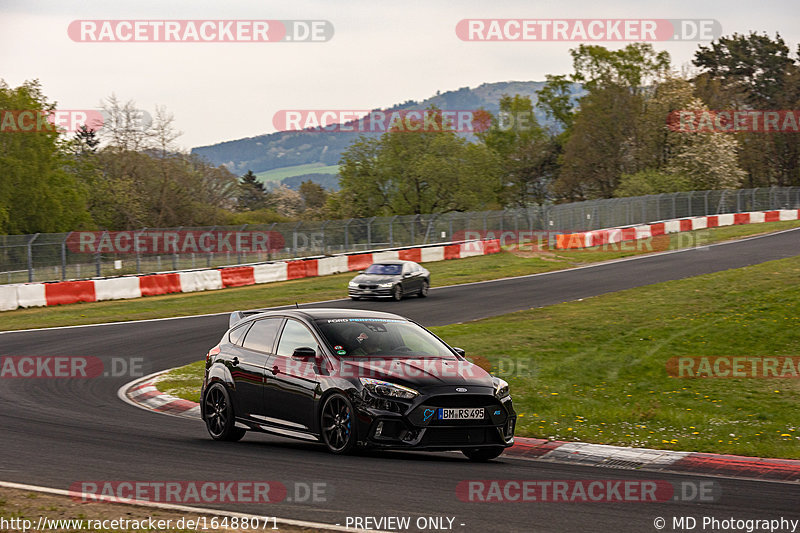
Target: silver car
<point x="390" y="279"/>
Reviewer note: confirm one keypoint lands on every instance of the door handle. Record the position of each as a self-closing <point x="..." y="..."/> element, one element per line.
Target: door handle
<point x="275" y="370"/>
<point x="235" y="361"/>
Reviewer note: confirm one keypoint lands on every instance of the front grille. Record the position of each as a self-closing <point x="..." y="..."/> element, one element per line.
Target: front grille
<point x="367" y="286"/>
<point x="464" y="400"/>
<point x="460" y="436"/>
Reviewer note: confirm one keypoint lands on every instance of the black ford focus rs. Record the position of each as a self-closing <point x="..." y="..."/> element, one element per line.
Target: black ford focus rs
<point x="349" y="379"/>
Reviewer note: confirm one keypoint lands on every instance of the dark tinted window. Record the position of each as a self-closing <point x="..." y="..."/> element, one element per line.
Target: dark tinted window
<point x="366" y="337"/>
<point x="296" y="335"/>
<point x="384" y="270"/>
<point x="237" y="334"/>
<point x="261" y="336"/>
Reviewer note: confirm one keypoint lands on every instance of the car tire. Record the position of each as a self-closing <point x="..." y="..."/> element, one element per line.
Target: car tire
<point x="218" y="414"/>
<point x="423" y="291"/>
<point x="481" y="455"/>
<point x="337" y="424"/>
<point x="397" y="292"/>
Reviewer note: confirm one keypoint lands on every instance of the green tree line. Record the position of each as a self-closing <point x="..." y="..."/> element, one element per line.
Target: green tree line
<point x="612" y="141"/>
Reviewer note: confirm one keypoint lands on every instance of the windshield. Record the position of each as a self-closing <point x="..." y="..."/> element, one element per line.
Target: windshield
<point x="367" y="337"/>
<point x="384" y="270"/>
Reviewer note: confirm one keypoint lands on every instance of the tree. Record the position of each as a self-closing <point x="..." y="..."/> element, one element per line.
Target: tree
<point x="251" y="195"/>
<point x="314" y="195"/>
<point x="526" y="154"/>
<point x="704" y="160"/>
<point x="651" y="181"/>
<point x="603" y="141"/>
<point x="37" y="191"/>
<point x="430" y="170"/>
<point x="755" y="71"/>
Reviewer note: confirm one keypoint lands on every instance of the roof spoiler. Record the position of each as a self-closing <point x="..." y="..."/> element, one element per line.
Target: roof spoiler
<point x="238" y="316"/>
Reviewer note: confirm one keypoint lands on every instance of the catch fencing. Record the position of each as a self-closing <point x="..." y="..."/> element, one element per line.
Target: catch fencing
<point x="62" y="256"/>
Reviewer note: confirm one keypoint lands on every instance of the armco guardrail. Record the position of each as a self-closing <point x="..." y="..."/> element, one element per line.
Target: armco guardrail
<point x="92" y="290"/>
<point x="55" y="256"/>
<point x="589" y="239"/>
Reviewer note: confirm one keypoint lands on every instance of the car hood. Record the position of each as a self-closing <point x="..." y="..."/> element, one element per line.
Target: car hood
<point x="374" y="278"/>
<point x="417" y="373"/>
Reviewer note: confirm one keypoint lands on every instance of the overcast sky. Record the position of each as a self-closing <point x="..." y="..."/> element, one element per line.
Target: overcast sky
<point x="382" y="53"/>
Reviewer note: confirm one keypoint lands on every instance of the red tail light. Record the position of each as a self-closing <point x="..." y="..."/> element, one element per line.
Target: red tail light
<point x="212" y="352"/>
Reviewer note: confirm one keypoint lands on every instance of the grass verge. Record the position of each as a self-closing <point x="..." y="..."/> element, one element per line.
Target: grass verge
<point x="514" y="263"/>
<point x="595" y="370"/>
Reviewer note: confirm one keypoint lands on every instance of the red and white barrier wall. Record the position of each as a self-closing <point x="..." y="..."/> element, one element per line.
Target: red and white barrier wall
<point x="588" y="239"/>
<point x="67" y="292"/>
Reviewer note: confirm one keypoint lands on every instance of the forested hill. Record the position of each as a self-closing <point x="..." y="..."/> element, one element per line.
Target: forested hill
<point x="285" y="149"/>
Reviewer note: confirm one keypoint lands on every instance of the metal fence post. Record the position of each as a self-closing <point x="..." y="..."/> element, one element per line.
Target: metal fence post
<point x="98" y="258"/>
<point x="391" y="231"/>
<point x="238" y="248"/>
<point x="369" y="232"/>
<point x="30" y="257"/>
<point x="175" y="253"/>
<point x="347" y="234"/>
<point x="64" y="258"/>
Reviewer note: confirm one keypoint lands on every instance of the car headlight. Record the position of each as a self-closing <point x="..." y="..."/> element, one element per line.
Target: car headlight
<point x="390" y="390"/>
<point x="385" y="285"/>
<point x="500" y="387"/>
<point x="352" y="285"/>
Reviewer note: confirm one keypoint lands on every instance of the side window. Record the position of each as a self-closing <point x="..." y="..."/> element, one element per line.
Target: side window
<point x="406" y="268"/>
<point x="261" y="336"/>
<point x="294" y="336"/>
<point x="237" y="334"/>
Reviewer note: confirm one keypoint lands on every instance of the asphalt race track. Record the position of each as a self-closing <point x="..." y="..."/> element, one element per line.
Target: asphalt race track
<point x="59" y="431"/>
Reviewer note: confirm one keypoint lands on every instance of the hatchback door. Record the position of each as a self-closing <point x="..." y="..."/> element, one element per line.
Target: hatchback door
<point x="248" y="364"/>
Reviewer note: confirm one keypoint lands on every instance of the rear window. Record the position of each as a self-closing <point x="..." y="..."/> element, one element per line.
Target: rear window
<point x="237" y="334"/>
<point x="384" y="270"/>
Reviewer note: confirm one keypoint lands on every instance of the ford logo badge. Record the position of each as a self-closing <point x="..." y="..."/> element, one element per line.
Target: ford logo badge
<point x="461" y="389"/>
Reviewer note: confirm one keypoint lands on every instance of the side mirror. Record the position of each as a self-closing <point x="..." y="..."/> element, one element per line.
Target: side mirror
<point x="407" y="275"/>
<point x="304" y="353"/>
<point x="459" y="351"/>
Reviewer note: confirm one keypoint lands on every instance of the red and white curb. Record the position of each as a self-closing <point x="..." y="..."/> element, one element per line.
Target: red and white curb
<point x="602" y="237"/>
<point x="144" y="393"/>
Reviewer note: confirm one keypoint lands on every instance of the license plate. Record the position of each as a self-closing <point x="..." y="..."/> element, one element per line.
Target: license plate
<point x="475" y="413"/>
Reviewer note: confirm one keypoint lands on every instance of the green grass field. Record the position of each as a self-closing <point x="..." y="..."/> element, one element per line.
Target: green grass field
<point x="467" y="270"/>
<point x="287" y="172"/>
<point x="595" y="370"/>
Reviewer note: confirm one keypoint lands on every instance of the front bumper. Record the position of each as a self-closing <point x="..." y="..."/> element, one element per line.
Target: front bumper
<point x="369" y="293"/>
<point x="410" y="429"/>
